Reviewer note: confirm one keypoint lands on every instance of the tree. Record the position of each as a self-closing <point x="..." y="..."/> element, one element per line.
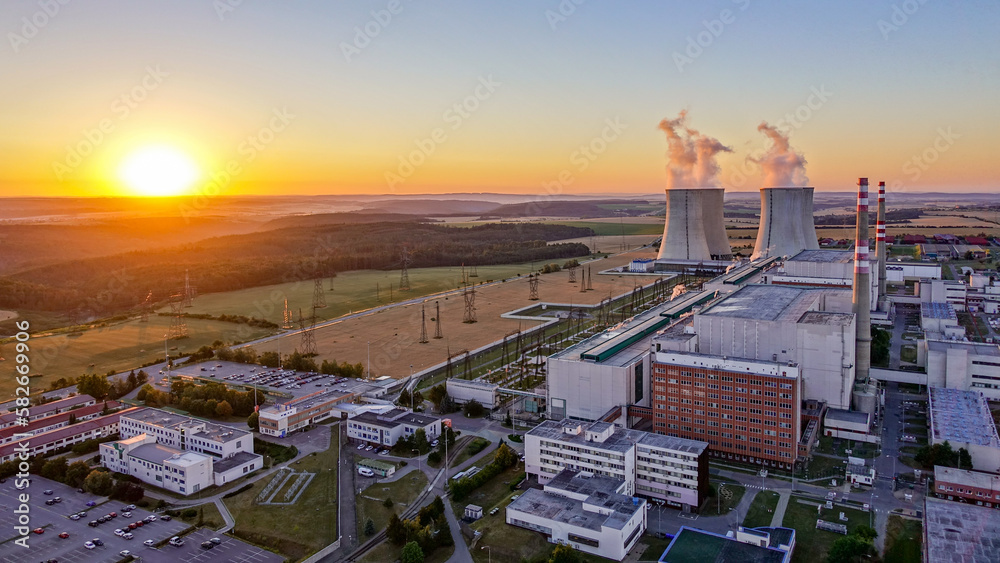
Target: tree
<point x="55" y="469"/>
<point x="224" y="409"/>
<point x="505" y="456"/>
<point x="508" y="420"/>
<point x="473" y="409"/>
<point x="565" y="554"/>
<point x="417" y="397"/>
<point x="99" y="483"/>
<point x="420" y="441"/>
<point x="76" y="473"/>
<point x="387" y="502"/>
<point x="253" y="421"/>
<point x="848" y="549"/>
<point x="437" y="396"/>
<point x="404" y="398"/>
<point x="72" y="419"/>
<point x="396" y="531"/>
<point x="97" y="386"/>
<point x="132" y="380"/>
<point x="412" y="553"/>
<point x="964" y="459"/>
<point x="369" y="527"/>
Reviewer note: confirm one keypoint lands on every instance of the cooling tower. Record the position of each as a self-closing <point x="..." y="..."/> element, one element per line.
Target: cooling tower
<point x="684" y="235"/>
<point x="715" y="226"/>
<point x="786" y="225"/>
<point x="808" y="223"/>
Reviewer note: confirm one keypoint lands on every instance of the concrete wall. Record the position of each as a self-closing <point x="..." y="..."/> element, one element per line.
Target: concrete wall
<point x="591" y="389"/>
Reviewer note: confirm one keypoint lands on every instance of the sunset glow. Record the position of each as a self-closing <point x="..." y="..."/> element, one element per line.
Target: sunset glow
<point x="158" y="171"/>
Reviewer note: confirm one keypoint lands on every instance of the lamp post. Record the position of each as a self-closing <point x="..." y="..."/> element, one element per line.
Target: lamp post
<point x="418" y="458"/>
<point x="489" y="553"/>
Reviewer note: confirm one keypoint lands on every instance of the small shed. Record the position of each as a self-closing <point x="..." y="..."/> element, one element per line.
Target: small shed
<point x="473" y="512"/>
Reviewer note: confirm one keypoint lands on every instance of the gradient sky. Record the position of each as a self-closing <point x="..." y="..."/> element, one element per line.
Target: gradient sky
<point x="894" y="91"/>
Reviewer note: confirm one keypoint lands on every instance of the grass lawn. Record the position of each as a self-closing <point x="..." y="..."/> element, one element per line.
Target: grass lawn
<point x="654" y="547"/>
<point x="510" y="544"/>
<point x="212" y="518"/>
<point x="908" y="353"/>
<point x="389" y="552"/>
<point x="402" y="492"/>
<point x="812" y="544"/>
<point x="716" y="505"/>
<point x="761" y="509"/>
<point x="822" y="466"/>
<point x="903" y="540"/>
<point x="495" y="492"/>
<point x="118" y="346"/>
<point x="475" y="446"/>
<point x="298" y="530"/>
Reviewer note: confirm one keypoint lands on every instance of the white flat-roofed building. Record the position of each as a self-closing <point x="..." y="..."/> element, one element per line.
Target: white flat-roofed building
<point x="963" y="419"/>
<point x="966" y="366"/>
<point x="664" y="467"/>
<point x="900" y="272"/>
<point x="822" y="268"/>
<point x="53" y="440"/>
<point x="175" y="470"/>
<point x="941" y="321"/>
<point x="849" y="425"/>
<point x="386" y="428"/>
<point x="589" y="513"/>
<point x="186" y="433"/>
<point x="463" y="390"/>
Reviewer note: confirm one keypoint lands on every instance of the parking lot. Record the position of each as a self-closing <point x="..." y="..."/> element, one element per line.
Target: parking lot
<point x="55" y="519"/>
<point x="229" y="551"/>
<point x="291" y="382"/>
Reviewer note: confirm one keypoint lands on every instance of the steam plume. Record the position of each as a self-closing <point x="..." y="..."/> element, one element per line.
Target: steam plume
<point x="783" y="166"/>
<point x="691" y="155"/>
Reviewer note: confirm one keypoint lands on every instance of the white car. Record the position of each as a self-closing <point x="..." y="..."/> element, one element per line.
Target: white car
<point x="149" y="543"/>
<point x="128" y="535"/>
<point x="365" y="472"/>
<point x="119" y="532"/>
<point x="89" y="545"/>
<point x="124" y="553"/>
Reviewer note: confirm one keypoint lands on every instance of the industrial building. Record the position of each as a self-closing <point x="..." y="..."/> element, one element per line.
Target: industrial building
<point x="786" y="222"/>
<point x="589" y="513"/>
<point x="849" y="425"/>
<point x="982" y="489"/>
<point x="745" y="409"/>
<point x="955" y="531"/>
<point x="10" y="419"/>
<point x="759" y="545"/>
<point x="672" y="469"/>
<point x="64" y="437"/>
<point x="963" y="419"/>
<point x="598" y="377"/>
<point x="464" y="390"/>
<point x="282" y="419"/>
<point x="387" y="428"/>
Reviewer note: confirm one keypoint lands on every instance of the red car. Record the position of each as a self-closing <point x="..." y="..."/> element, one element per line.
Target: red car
<point x="39" y="530"/>
<point x="140" y="523"/>
<point x="132" y="526"/>
<point x="64" y="535"/>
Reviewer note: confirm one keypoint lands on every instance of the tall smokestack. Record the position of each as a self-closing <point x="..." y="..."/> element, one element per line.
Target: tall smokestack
<point x="862" y="286"/>
<point x="880" y="246"/>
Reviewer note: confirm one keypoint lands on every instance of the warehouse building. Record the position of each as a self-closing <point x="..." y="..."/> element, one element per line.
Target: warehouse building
<point x="963" y="419"/>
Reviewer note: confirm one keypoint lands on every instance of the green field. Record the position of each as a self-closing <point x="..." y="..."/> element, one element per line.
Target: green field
<point x="720" y="503"/>
<point x="615" y="229"/>
<point x="761" y="510"/>
<point x="118" y="346"/>
<point x="352" y="291"/>
<point x="402" y="492"/>
<point x="903" y="539"/>
<point x="812" y="544"/>
<point x="298" y="530"/>
<point x="209" y="516"/>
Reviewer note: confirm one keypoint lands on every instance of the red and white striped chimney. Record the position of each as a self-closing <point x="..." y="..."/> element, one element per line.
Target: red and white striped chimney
<point x="862" y="286"/>
<point x="880" y="246"/>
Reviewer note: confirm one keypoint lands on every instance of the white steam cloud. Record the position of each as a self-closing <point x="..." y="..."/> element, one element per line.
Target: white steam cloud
<point x="690" y="155"/>
<point x="782" y="166"/>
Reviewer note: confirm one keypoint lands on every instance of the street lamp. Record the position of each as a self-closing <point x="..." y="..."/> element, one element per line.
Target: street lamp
<point x="418" y="458"/>
<point x="489" y="553"/>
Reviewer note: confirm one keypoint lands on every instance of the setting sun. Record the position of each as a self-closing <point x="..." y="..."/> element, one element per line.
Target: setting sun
<point x="158" y="171"/>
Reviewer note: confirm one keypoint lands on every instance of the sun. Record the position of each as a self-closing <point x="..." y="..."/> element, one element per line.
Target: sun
<point x="158" y="171"/>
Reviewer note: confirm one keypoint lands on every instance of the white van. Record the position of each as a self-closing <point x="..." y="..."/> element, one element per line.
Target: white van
<point x="365" y="472"/>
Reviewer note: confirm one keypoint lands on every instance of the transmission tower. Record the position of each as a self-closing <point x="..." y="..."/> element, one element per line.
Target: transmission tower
<point x="404" y="275"/>
<point x="470" y="305"/>
<point x="145" y="307"/>
<point x="319" y="298"/>
<point x="178" y="327"/>
<point x="590" y="279"/>
<point x="286" y="317"/>
<point x="447" y="369"/>
<point x="308" y="339"/>
<point x="437" y="319"/>
<point x="423" y="324"/>
<point x="465" y="276"/>
<point x="533" y="287"/>
<point x="189" y="290"/>
<point x="475" y="272"/>
<point x="331" y="280"/>
<point x="572" y="274"/>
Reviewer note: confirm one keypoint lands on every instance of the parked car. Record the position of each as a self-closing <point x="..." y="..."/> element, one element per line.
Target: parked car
<point x="97" y="541"/>
<point x="361" y="446"/>
<point x="89" y="544"/>
<point x="149" y="543"/>
<point x="124" y="553"/>
<point x="47" y="492"/>
<point x="39" y="530"/>
<point x="207" y="545"/>
<point x="74" y="517"/>
<point x="128" y="535"/>
<point x="165" y="518"/>
<point x="176" y="541"/>
<point x="64" y="535"/>
<point x="216" y="541"/>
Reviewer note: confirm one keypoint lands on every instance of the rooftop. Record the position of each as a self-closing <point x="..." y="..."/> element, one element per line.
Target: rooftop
<point x="938" y="311"/>
<point x="843" y="415"/>
<point x="824" y="255"/>
<point x="725" y="363"/>
<point x="223" y="465"/>
<point x="763" y="303"/>
<point x="960" y="533"/>
<point x="620" y="440"/>
<point x="692" y="545"/>
<point x="191" y="426"/>
<point x="154" y="453"/>
<point x="43" y="410"/>
<point x="600" y="492"/>
<point x="961" y="417"/>
<point x="978" y="479"/>
<point x="975" y="348"/>
<point x="823" y="318"/>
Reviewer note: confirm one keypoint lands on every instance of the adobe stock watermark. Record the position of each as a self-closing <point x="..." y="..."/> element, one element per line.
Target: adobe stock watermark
<point x="563" y="11"/>
<point x="250" y="148"/>
<point x="580" y="160"/>
<point x="32" y="25"/>
<point x="121" y="108"/>
<point x="225" y="7"/>
<point x="900" y="16"/>
<point x="455" y="116"/>
<point x="915" y="166"/>
<point x="714" y="28"/>
<point x="365" y="34"/>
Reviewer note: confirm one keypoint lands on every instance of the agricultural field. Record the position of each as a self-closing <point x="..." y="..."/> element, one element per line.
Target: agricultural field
<point x="118" y="346"/>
